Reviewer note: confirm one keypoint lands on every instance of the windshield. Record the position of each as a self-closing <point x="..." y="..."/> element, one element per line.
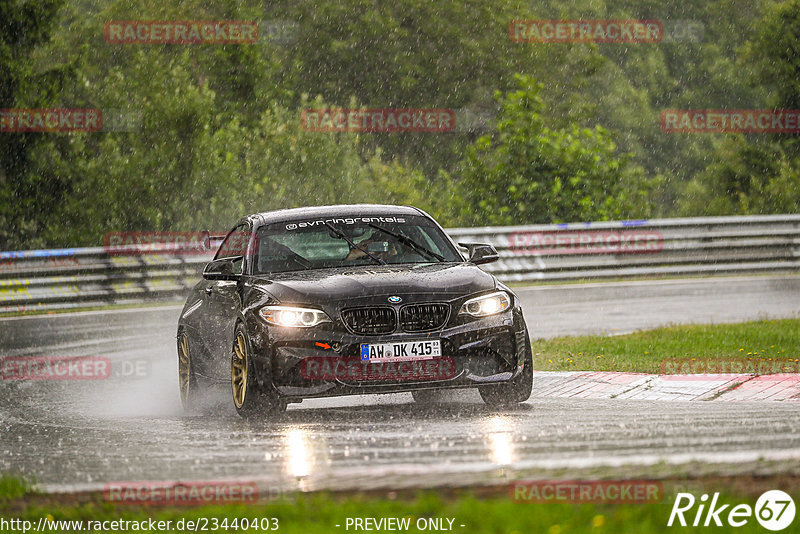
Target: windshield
<point x="347" y="242"/>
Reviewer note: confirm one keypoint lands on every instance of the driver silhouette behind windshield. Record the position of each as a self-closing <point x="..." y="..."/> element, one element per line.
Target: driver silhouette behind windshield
<point x="377" y="245"/>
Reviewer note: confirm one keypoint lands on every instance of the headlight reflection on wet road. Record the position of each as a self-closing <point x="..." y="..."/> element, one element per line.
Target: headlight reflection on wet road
<point x="501" y="444"/>
<point x="297" y="454"/>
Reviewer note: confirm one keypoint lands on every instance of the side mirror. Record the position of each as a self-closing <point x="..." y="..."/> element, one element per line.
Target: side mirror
<point x="221" y="269"/>
<point x="480" y="253"/>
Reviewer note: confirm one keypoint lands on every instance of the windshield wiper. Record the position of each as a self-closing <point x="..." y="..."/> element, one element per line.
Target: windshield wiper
<point x="350" y="242"/>
<point x="408" y="241"/>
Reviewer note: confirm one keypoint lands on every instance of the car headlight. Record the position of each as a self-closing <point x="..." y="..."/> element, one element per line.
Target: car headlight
<point x="486" y="305"/>
<point x="294" y="317"/>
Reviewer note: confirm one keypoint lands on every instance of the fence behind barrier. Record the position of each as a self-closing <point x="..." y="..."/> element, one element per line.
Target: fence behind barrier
<point x="78" y="277"/>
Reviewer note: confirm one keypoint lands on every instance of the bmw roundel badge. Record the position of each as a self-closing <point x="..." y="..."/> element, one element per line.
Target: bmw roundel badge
<point x="395" y="299"/>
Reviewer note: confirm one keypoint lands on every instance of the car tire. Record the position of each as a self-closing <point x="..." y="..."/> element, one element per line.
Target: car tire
<point x="517" y="390"/>
<point x="248" y="399"/>
<point x="187" y="381"/>
<point x="427" y="396"/>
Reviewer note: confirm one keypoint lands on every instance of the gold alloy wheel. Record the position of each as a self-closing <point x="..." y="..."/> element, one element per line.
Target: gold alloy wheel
<point x="239" y="370"/>
<point x="184" y="368"/>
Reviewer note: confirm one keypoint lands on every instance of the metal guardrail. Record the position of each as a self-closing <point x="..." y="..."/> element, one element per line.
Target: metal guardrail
<point x="670" y="247"/>
<point x="78" y="277"/>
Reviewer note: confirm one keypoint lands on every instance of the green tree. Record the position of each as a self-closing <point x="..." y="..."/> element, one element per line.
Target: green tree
<point x="758" y="173"/>
<point x="776" y="52"/>
<point x="212" y="137"/>
<point x="530" y="173"/>
<point x="23" y="84"/>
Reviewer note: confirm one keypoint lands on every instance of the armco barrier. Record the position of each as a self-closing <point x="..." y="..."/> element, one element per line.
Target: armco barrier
<point x="665" y="247"/>
<point x="67" y="278"/>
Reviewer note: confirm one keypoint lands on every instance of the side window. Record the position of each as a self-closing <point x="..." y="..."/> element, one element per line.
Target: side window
<point x="235" y="244"/>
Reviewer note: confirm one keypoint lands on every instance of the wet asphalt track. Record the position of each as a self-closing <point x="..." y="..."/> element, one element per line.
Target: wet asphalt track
<point x="80" y="435"/>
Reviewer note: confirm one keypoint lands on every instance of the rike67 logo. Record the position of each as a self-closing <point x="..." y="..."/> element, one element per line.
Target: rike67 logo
<point x="774" y="510"/>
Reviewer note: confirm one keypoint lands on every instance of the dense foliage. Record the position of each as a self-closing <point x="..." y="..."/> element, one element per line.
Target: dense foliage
<point x="546" y="132"/>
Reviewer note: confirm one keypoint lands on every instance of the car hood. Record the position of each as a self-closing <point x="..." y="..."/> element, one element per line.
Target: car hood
<point x="443" y="280"/>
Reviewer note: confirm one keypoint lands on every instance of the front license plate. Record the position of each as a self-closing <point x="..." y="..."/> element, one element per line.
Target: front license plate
<point x="406" y="350"/>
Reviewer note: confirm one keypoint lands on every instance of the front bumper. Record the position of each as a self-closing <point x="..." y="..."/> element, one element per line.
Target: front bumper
<point x="315" y="362"/>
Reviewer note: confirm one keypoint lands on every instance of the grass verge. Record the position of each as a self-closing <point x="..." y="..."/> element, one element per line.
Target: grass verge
<point x="452" y="510"/>
<point x="643" y="352"/>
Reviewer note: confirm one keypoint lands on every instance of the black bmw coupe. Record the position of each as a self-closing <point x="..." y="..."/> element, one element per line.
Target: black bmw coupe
<point x="351" y="299"/>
